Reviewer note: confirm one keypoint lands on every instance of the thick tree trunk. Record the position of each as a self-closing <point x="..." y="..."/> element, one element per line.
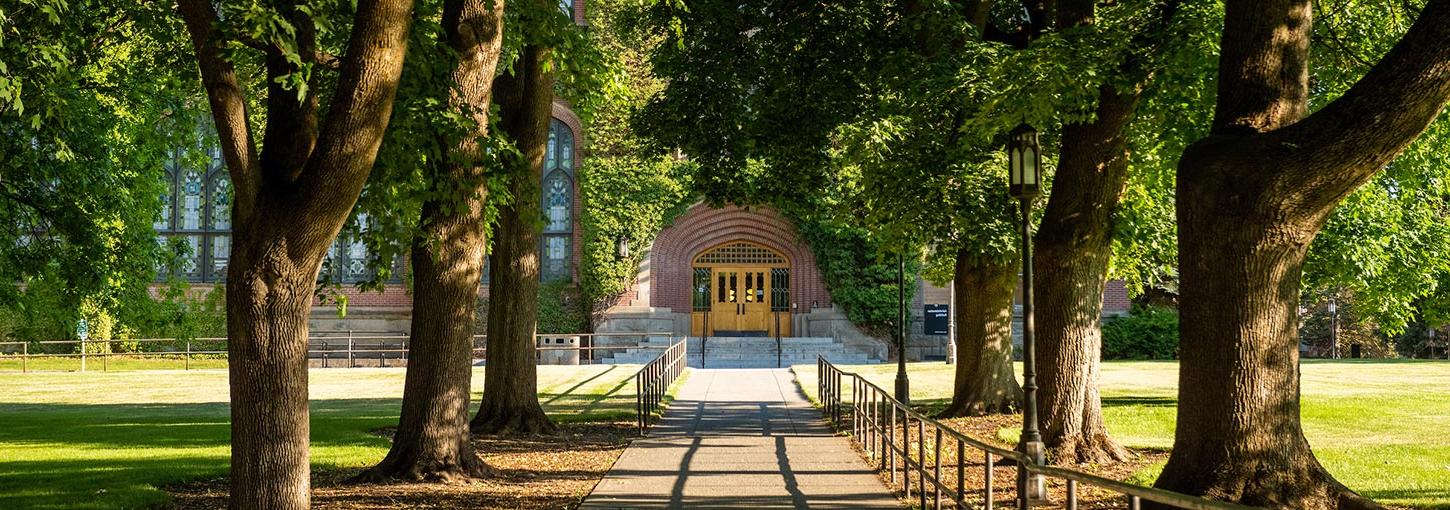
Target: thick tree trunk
<point x="432" y="441"/>
<point x="984" y="382"/>
<point x="269" y="298"/>
<point x="292" y="198"/>
<point x="1251" y="198"/>
<point x="1074" y="247"/>
<point x="1243" y="442"/>
<point x="510" y="389"/>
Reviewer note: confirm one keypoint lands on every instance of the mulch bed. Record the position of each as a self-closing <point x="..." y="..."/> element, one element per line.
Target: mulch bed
<point x="1005" y="476"/>
<point x="536" y="472"/>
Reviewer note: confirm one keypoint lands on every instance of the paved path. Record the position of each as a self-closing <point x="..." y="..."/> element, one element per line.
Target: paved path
<point x="741" y="439"/>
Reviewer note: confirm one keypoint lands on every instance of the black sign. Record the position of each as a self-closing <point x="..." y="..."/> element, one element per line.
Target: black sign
<point x="936" y="319"/>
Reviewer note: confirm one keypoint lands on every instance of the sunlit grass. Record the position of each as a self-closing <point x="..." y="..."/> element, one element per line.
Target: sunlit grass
<point x="102" y="440"/>
<point x="1379" y="426"/>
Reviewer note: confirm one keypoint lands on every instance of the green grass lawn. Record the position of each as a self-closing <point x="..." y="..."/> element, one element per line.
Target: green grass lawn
<point x="107" y="440"/>
<point x="1381" y="427"/>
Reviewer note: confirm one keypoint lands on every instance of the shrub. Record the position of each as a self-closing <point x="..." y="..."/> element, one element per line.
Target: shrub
<point x="1149" y="332"/>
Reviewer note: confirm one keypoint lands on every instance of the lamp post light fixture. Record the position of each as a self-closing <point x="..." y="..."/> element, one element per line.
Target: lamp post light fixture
<point x="1024" y="157"/>
<point x="903" y="386"/>
<point x="1333" y="328"/>
<point x="621" y="248"/>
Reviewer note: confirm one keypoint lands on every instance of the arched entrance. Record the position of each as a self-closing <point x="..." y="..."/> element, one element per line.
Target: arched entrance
<point x="741" y="289"/>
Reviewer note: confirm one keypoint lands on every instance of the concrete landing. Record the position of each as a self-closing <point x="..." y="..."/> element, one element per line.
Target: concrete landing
<point x="741" y="439"/>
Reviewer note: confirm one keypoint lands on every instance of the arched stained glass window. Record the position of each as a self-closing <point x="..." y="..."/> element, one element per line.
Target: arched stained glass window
<point x="556" y="246"/>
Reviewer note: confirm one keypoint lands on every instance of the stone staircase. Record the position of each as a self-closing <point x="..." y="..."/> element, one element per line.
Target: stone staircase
<point x="746" y="352"/>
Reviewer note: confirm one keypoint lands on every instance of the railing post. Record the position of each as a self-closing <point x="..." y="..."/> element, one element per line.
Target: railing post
<point x="921" y="460"/>
<point x="351" y="363"/>
<point x="188" y="355"/>
<point x="987" y="480"/>
<point x="326" y="352"/>
<point x="936" y="469"/>
<point x="889" y="460"/>
<point x="906" y="452"/>
<point x="25" y="357"/>
<point x="961" y="472"/>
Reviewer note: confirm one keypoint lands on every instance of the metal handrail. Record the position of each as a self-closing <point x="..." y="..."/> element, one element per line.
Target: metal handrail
<point x="370" y="345"/>
<point x="874" y="426"/>
<point x="653" y="380"/>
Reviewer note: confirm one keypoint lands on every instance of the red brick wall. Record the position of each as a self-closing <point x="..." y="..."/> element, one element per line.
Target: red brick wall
<point x="1115" y="297"/>
<point x="394" y="295"/>
<point x="703" y="227"/>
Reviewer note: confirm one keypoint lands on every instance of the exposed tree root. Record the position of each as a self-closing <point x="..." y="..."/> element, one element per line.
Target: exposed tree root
<point x="976" y="404"/>
<point x="411" y="468"/>
<point x="1307" y="486"/>
<point x="1098" y="449"/>
<point x="510" y="420"/>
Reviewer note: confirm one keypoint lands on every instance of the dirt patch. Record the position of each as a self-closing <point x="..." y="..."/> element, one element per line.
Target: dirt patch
<point x="535" y="472"/>
<point x="973" y="472"/>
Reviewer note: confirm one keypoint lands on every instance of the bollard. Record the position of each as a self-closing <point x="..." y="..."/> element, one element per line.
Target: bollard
<point x="188" y="354"/>
<point x="25" y="357"/>
<point x="350" y="362"/>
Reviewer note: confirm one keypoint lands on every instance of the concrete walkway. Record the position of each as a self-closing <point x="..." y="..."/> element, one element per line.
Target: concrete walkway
<point x="741" y="439"/>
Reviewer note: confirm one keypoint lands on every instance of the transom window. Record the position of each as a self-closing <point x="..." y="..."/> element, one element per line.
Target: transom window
<point x="741" y="252"/>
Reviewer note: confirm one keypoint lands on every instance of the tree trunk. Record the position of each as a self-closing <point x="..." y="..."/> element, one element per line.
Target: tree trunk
<point x="984" y="382"/>
<point x="1242" y="441"/>
<point x="1251" y="198"/>
<point x="432" y="441"/>
<point x="510" y="390"/>
<point x="269" y="299"/>
<point x="292" y="198"/>
<point x="1074" y="247"/>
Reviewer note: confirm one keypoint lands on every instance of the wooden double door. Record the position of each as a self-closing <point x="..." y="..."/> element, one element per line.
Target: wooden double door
<point x="741" y="302"/>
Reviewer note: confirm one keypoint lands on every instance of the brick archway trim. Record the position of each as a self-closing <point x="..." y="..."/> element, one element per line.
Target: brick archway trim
<point x="703" y="227"/>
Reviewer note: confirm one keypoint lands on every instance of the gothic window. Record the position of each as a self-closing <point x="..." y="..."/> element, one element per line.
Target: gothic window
<point x="558" y="204"/>
<point x="196" y="214"/>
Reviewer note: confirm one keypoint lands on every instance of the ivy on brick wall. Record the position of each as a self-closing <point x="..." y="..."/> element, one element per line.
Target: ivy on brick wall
<point x="625" y="198"/>
<point x="860" y="271"/>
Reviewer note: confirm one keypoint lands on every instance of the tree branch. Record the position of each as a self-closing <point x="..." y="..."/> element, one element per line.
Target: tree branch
<point x="291" y="130"/>
<point x="1342" y="145"/>
<point x="349" y="136"/>
<point x="228" y="103"/>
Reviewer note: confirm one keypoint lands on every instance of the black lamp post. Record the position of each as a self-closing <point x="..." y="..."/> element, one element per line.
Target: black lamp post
<point x="1025" y="168"/>
<point x="1333" y="328"/>
<point x="903" y="387"/>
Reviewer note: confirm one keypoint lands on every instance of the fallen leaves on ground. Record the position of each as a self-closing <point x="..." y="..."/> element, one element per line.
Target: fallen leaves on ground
<point x="534" y="472"/>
